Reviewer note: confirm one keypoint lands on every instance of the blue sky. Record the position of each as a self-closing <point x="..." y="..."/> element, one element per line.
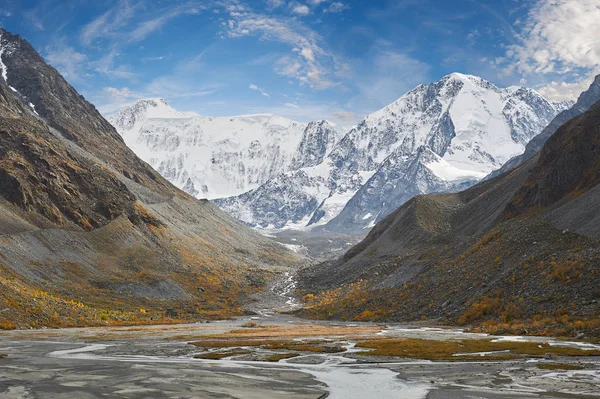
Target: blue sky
<point x="305" y="59"/>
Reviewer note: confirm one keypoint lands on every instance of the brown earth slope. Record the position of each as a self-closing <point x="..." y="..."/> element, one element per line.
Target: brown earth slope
<point x="90" y="234"/>
<point x="520" y="252"/>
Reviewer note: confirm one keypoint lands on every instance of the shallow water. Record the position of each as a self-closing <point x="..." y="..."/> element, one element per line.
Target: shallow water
<point x="148" y="361"/>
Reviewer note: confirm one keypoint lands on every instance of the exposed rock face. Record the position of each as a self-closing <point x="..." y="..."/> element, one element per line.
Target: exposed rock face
<point x="584" y="102"/>
<point x="437" y="138"/>
<point x="88" y="230"/>
<point x="502" y="253"/>
<point x="318" y="139"/>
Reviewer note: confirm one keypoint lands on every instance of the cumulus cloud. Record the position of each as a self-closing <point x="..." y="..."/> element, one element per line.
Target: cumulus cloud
<point x="301" y="9"/>
<point x="565" y="91"/>
<point x="558" y="37"/>
<point x="122" y="94"/>
<point x="275" y="3"/>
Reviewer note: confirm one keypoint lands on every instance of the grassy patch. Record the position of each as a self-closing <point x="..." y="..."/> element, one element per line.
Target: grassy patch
<point x="279" y="356"/>
<point x="312" y="346"/>
<point x="231" y="343"/>
<point x="469" y="349"/>
<point x="221" y="355"/>
<point x="320" y="346"/>
<point x="559" y="366"/>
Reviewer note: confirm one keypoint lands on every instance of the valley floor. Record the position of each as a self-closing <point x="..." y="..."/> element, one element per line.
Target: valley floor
<point x="159" y="361"/>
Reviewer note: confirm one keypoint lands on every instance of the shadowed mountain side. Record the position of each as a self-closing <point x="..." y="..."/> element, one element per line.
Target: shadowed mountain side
<point x="584" y="102"/>
<point x="497" y="255"/>
<point x="90" y="234"/>
<point x="568" y="166"/>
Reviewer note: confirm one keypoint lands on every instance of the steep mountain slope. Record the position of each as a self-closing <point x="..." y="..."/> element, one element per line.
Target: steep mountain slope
<point x="584" y="102"/>
<point x="520" y="251"/>
<point x="89" y="233"/>
<point x="212" y="157"/>
<point x="437" y="138"/>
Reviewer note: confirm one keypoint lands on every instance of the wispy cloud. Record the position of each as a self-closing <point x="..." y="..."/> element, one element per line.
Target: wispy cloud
<point x="157" y="58"/>
<point x="67" y="60"/>
<point x="308" y="62"/>
<point x="110" y="24"/>
<point x="107" y="66"/>
<point x="345" y="116"/>
<point x="391" y="74"/>
<point x="33" y="19"/>
<point x="145" y="28"/>
<point x="5" y="12"/>
<point x="337" y="7"/>
<point x="261" y="91"/>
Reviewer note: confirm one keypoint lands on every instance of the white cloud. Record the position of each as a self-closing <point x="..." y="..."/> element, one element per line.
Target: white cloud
<point x="390" y="75"/>
<point x="147" y="27"/>
<point x="275" y="3"/>
<point x="301" y="9"/>
<point x="306" y="111"/>
<point x="33" y="19"/>
<point x="337" y="7"/>
<point x="345" y="116"/>
<point x="309" y="63"/>
<point x="106" y="66"/>
<point x="110" y="23"/>
<point x="256" y="88"/>
<point x="157" y="58"/>
<point x="564" y="91"/>
<point x="67" y="60"/>
<point x="558" y="36"/>
<point x="122" y="94"/>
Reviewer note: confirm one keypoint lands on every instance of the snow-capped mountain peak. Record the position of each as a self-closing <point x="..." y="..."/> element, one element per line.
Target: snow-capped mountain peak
<point x="272" y="172"/>
<point x="209" y="157"/>
<point x="443" y="136"/>
<point x="127" y="118"/>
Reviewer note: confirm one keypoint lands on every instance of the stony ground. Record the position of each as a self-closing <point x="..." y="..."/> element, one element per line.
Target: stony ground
<point x="158" y="362"/>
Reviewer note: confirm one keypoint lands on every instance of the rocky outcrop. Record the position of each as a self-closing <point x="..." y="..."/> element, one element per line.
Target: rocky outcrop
<point x="506" y="254"/>
<point x="468" y="126"/>
<point x="584" y="102"/>
<point x="89" y="233"/>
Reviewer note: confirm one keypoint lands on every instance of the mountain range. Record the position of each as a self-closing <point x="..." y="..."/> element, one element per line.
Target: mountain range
<point x="517" y="253"/>
<point x="90" y="234"/>
<point x="270" y="172"/>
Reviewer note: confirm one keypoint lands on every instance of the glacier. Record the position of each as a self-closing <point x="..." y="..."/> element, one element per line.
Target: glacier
<point x="275" y="173"/>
